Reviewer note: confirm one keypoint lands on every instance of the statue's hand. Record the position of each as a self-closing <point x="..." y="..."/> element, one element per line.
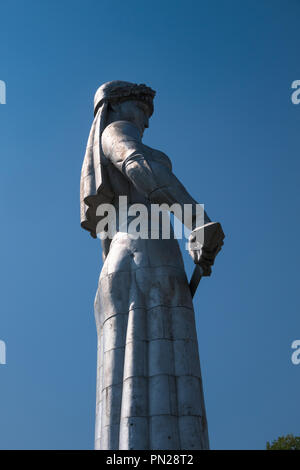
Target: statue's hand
<point x="204" y="244"/>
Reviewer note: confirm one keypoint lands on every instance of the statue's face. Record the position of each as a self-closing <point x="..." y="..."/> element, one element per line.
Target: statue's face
<point x="136" y="112"/>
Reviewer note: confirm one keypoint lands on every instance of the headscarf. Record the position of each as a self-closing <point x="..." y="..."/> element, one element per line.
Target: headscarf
<point x="95" y="187"/>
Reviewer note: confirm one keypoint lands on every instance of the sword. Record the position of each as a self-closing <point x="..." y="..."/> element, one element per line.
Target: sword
<point x="212" y="238"/>
<point x="195" y="279"/>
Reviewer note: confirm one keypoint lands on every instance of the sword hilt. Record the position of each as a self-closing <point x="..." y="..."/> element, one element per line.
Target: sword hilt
<point x="212" y="237"/>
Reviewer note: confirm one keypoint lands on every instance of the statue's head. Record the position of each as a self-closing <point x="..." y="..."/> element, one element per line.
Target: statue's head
<point x="126" y="101"/>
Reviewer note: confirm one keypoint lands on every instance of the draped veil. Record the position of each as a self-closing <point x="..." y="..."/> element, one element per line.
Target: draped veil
<point x="95" y="188"/>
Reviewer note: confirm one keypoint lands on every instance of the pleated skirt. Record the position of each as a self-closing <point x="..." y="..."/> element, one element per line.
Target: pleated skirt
<point x="149" y="386"/>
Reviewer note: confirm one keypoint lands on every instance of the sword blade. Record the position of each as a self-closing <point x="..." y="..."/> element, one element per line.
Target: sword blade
<point x="195" y="279"/>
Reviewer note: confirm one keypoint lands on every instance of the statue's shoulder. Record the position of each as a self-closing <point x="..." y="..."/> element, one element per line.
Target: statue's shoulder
<point x="120" y="131"/>
<point x="119" y="138"/>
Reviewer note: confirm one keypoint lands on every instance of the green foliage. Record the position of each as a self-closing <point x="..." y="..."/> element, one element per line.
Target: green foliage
<point x="288" y="442"/>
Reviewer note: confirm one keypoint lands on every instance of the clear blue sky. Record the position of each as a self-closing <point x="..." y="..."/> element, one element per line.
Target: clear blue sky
<point x="223" y="113"/>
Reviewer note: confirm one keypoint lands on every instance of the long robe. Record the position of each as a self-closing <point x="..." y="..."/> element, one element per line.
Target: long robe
<point x="149" y="386"/>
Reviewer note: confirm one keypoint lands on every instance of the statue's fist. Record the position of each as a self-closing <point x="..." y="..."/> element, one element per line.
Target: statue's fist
<point x="204" y="244"/>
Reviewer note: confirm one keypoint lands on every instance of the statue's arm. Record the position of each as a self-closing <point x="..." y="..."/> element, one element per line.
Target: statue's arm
<point x="122" y="145"/>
